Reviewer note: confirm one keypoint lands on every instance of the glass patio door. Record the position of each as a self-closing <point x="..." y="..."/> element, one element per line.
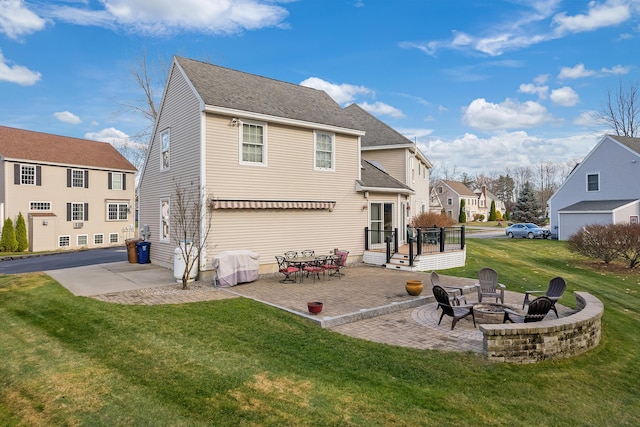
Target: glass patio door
<point x="381" y="222"/>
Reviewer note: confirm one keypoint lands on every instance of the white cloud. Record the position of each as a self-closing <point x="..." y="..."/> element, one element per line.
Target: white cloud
<point x="608" y="14"/>
<point x="616" y="69"/>
<point x="380" y="108"/>
<point x="577" y="72"/>
<point x="590" y="119"/>
<point x="565" y="96"/>
<point x="110" y="135"/>
<point x="162" y="17"/>
<point x="509" y="114"/>
<point x="531" y="88"/>
<point x="17" y="20"/>
<point x="17" y="73"/>
<point x="541" y="79"/>
<point x="67" y="117"/>
<point x="342" y="94"/>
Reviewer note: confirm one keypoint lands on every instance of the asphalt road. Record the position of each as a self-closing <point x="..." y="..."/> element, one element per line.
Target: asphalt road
<point x="59" y="260"/>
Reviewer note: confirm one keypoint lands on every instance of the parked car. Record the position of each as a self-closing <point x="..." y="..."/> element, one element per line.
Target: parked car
<point x="528" y="230"/>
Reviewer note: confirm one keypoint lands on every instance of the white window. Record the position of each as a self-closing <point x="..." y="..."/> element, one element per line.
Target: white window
<point x="324" y="151"/>
<point x="98" y="239"/>
<point x="164" y="219"/>
<point x="593" y="182"/>
<point x="27" y="175"/>
<point x="77" y="178"/>
<point x="165" y="138"/>
<point x="253" y="144"/>
<point x="116" y="181"/>
<point x="113" y="237"/>
<point x="117" y="211"/>
<point x="82" y="239"/>
<point x="39" y="206"/>
<point x="77" y="211"/>
<point x="64" y="241"/>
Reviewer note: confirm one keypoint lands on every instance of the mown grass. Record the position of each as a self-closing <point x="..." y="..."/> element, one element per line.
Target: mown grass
<point x="69" y="360"/>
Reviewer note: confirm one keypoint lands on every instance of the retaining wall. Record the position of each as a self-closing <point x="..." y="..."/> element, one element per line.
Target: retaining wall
<point x="549" y="339"/>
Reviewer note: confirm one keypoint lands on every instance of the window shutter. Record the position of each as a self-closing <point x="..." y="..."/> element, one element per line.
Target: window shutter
<point x="38" y="175"/>
<point x="86" y="211"/>
<point x="68" y="177"/>
<point x="68" y="211"/>
<point x="124" y="181"/>
<point x="16" y="174"/>
<point x="110" y="185"/>
<point x="86" y="179"/>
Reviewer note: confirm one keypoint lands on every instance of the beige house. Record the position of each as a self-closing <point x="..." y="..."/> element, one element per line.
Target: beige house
<point x="401" y="159"/>
<point x="485" y="198"/>
<point x="451" y="195"/>
<point x="72" y="193"/>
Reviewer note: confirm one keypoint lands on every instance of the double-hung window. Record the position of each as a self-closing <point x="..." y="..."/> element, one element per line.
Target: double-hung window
<point x="77" y="211"/>
<point x="117" y="211"/>
<point x="253" y="144"/>
<point x="324" y="151"/>
<point x="117" y="181"/>
<point x="593" y="182"/>
<point x="77" y="178"/>
<point x="165" y="138"/>
<point x="27" y="175"/>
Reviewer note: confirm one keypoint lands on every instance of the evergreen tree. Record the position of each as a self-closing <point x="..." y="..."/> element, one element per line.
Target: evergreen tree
<point x="527" y="208"/>
<point x="507" y="215"/>
<point x="462" y="218"/>
<point x="21" y="234"/>
<point x="492" y="211"/>
<point x="8" y="242"/>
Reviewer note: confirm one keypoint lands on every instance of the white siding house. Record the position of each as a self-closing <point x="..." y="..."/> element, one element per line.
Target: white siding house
<point x="602" y="189"/>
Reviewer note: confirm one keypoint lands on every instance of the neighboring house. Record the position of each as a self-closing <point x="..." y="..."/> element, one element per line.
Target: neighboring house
<point x="280" y="163"/>
<point x="400" y="158"/>
<point x="602" y="189"/>
<point x="72" y="192"/>
<point x="485" y="197"/>
<point x="451" y="194"/>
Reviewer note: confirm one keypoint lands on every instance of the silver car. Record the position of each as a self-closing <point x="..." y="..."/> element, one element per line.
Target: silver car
<point x="526" y="229"/>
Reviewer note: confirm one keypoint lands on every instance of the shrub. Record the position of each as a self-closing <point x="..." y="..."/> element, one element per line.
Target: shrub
<point x="429" y="219"/>
<point x="462" y="218"/>
<point x="627" y="242"/>
<point x="498" y="216"/>
<point x="595" y="241"/>
<point x="21" y="234"/>
<point x="8" y="242"/>
<point x="493" y="212"/>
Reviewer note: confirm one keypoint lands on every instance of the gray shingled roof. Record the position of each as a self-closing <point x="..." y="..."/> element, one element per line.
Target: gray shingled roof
<point x="460" y="188"/>
<point x="596" y="205"/>
<point x="378" y="133"/>
<point x="631" y="143"/>
<point x="25" y="145"/>
<point x="372" y="177"/>
<point x="224" y="87"/>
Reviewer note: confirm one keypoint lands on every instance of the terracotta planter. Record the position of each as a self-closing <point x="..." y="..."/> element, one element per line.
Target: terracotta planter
<point x="314" y="307"/>
<point x="414" y="287"/>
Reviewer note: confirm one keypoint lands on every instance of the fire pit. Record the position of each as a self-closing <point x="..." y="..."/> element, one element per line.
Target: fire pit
<point x="488" y="312"/>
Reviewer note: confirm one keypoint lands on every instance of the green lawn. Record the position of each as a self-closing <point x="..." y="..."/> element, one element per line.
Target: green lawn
<point x="68" y="360"/>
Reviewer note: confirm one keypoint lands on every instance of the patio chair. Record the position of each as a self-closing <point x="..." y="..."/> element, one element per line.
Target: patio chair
<point x="554" y="292"/>
<point x="307" y="252"/>
<point x="538" y="309"/>
<point x="291" y="254"/>
<point x="455" y="299"/>
<point x="488" y="285"/>
<point x="340" y="262"/>
<point x="286" y="269"/>
<point x="316" y="267"/>
<point x="457" y="312"/>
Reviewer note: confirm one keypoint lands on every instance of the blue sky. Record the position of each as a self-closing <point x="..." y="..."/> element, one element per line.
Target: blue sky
<point x="480" y="85"/>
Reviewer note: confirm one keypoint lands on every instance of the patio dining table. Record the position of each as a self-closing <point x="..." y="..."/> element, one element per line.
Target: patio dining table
<point x="300" y="262"/>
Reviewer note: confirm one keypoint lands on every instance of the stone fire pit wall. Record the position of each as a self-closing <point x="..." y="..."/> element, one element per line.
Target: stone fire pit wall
<point x="549" y="339"/>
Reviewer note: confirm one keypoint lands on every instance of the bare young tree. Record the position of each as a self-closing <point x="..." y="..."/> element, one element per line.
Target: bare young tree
<point x="191" y="219"/>
<point x="621" y="110"/>
<point x="546" y="182"/>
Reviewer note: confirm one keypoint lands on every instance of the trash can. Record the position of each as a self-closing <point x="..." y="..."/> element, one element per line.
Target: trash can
<point x="143" y="252"/>
<point x="132" y="251"/>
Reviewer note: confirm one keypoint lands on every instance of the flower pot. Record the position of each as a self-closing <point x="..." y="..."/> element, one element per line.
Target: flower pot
<point x="314" y="307"/>
<point x="414" y="287"/>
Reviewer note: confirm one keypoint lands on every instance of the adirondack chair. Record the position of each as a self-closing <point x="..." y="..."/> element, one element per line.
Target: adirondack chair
<point x="538" y="309"/>
<point x="457" y="312"/>
<point x="554" y="292"/>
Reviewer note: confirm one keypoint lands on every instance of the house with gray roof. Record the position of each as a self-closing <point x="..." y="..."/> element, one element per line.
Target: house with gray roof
<point x="279" y="163"/>
<point x="602" y="189"/>
<point x="73" y="193"/>
<point x="452" y="193"/>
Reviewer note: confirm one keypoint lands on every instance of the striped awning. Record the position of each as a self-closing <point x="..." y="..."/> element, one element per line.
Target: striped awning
<point x="272" y="204"/>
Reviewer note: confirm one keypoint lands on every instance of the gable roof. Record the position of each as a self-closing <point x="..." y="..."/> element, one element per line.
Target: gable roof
<point x="239" y="91"/>
<point x="29" y="146"/>
<point x="629" y="142"/>
<point x="459" y="188"/>
<point x="379" y="134"/>
<point x="374" y="179"/>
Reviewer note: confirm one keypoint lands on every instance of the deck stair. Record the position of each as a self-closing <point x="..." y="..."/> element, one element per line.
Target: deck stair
<point x="400" y="261"/>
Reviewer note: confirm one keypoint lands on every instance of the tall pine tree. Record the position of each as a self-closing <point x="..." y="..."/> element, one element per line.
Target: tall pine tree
<point x="492" y="211"/>
<point x="527" y="207"/>
<point x="21" y="234"/>
<point x="462" y="218"/>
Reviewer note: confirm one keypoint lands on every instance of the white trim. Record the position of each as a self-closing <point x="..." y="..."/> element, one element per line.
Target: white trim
<point x="68" y="236"/>
<point x="315" y="151"/>
<point x="166" y="131"/>
<point x="94" y="238"/>
<point x="586" y="177"/>
<point x="78" y="236"/>
<point x="241" y="143"/>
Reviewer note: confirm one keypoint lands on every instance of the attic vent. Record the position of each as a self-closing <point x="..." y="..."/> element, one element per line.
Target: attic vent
<point x="78" y="224"/>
